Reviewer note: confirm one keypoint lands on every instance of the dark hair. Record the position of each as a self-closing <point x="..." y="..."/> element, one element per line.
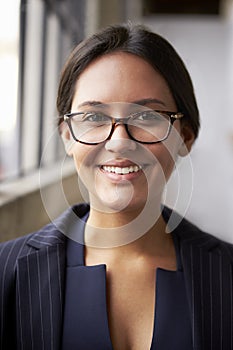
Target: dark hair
<point x="139" y="41"/>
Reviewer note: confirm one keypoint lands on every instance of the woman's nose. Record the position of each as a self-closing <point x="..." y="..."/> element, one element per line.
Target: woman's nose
<point x="120" y="141"/>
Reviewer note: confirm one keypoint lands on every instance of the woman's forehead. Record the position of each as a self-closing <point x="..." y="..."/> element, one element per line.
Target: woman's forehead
<point x="122" y="77"/>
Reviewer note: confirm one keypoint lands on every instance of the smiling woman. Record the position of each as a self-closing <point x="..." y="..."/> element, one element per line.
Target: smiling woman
<point x="113" y="272"/>
<point x="132" y="79"/>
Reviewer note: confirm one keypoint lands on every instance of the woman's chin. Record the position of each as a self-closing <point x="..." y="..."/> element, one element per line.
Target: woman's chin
<point x="123" y="203"/>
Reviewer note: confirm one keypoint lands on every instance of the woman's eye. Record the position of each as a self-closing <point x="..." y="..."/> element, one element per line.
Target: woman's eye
<point x="149" y="116"/>
<point x="95" y="117"/>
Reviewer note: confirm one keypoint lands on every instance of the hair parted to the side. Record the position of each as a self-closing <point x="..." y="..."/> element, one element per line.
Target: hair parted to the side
<point x="140" y="41"/>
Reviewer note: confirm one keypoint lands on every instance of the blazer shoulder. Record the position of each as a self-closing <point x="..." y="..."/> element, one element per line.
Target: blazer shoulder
<point x="14" y="246"/>
<point x="13" y="249"/>
<point x="191" y="235"/>
<point x="49" y="235"/>
<point x="207" y="242"/>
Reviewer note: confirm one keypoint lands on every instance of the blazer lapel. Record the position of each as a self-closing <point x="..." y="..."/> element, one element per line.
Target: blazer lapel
<point x="208" y="275"/>
<point x="40" y="284"/>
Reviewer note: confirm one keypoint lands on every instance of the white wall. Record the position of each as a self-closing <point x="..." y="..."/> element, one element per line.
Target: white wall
<point x="206" y="45"/>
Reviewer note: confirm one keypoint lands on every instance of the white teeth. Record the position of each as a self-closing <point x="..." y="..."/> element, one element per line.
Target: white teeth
<point x="124" y="170"/>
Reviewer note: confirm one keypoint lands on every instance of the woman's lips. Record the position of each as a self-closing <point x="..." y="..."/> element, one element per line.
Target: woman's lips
<point x="119" y="171"/>
<point x="122" y="170"/>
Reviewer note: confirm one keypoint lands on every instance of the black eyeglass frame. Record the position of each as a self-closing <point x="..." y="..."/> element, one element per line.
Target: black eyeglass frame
<point x="173" y="116"/>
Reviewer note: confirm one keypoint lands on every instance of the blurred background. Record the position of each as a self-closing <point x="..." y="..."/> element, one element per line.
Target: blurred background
<point x="36" y="37"/>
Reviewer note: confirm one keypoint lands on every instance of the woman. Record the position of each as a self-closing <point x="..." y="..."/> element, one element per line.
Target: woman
<point x="113" y="274"/>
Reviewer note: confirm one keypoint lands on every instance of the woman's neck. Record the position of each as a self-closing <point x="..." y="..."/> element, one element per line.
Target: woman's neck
<point x="155" y="247"/>
<point x="110" y="230"/>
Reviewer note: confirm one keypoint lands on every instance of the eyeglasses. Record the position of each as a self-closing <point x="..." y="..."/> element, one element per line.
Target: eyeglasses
<point x="145" y="126"/>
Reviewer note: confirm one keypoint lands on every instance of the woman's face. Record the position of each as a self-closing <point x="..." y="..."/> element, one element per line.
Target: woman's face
<point x="144" y="168"/>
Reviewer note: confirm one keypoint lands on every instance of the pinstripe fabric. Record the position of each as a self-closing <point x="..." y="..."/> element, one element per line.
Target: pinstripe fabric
<point x="32" y="272"/>
<point x="31" y="291"/>
<point x="39" y="282"/>
<point x="208" y="271"/>
<point x="8" y="255"/>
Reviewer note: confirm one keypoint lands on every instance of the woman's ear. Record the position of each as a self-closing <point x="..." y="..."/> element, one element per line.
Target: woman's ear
<point x="188" y="137"/>
<point x="66" y="138"/>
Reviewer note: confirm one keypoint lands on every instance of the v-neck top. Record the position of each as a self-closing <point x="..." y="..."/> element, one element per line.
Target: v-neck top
<point x="85" y="322"/>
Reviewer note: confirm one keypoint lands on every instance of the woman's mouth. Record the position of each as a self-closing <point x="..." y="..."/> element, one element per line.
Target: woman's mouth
<point x="122" y="170"/>
<point x="118" y="172"/>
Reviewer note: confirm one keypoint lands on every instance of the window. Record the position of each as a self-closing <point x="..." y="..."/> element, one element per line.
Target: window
<point x="34" y="44"/>
<point x="9" y="64"/>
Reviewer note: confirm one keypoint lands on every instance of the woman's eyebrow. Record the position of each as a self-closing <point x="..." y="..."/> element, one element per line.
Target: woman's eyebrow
<point x="146" y="101"/>
<point x="90" y="103"/>
<point x="141" y="102"/>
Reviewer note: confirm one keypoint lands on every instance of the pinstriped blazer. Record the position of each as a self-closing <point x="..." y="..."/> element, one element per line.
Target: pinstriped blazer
<point x="32" y="278"/>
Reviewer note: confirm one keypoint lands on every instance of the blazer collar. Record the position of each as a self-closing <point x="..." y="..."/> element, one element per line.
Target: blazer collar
<point x="70" y="224"/>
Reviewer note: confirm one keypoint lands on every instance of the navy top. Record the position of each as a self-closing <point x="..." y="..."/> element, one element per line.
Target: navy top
<point x="85" y="324"/>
